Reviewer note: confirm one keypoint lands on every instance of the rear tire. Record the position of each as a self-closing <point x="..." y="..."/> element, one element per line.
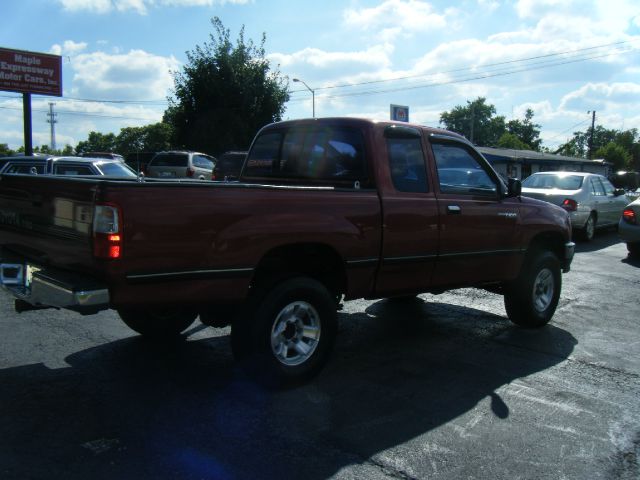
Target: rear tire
<point x="589" y="230"/>
<point x="634" y="249"/>
<point x="531" y="300"/>
<point x="157" y="323"/>
<point x="287" y="333"/>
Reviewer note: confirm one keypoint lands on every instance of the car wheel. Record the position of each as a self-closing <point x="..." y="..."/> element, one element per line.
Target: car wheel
<point x="157" y="323"/>
<point x="286" y="336"/>
<point x="634" y="249"/>
<point x="531" y="300"/>
<point x="589" y="229"/>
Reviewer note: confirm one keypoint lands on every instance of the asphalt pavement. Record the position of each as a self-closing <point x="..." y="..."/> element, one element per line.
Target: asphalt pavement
<point x="441" y="388"/>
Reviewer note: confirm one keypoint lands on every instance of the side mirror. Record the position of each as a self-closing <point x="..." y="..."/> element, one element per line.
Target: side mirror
<point x="514" y="187"/>
<point x="619" y="191"/>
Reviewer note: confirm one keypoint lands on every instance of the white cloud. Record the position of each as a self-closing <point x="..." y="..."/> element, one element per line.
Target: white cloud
<point x="489" y="5"/>
<point x="377" y="57"/>
<point x="537" y="8"/>
<point x="139" y="6"/>
<point x="406" y="15"/>
<point x="69" y="47"/>
<point x="602" y="95"/>
<point x="136" y="75"/>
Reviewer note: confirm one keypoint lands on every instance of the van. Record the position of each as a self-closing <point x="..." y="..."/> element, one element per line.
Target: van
<point x="181" y="164"/>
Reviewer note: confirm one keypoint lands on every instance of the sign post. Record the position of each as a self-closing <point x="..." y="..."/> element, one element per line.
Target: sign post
<point x="30" y="72"/>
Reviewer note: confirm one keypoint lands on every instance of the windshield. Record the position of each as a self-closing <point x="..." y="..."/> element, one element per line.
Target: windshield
<point x="550" y="181"/>
<point x="116" y="169"/>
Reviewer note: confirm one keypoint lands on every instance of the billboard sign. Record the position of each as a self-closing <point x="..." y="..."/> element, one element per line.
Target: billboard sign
<point x="30" y="72"/>
<point x="400" y="113"/>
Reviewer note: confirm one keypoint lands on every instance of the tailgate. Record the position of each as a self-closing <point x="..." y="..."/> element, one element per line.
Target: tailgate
<point x="48" y="220"/>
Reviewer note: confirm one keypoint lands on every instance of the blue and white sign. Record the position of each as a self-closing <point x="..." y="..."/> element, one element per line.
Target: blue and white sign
<point x="400" y="113"/>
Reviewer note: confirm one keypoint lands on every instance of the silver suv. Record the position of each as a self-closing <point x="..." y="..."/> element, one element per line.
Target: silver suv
<point x="181" y="164"/>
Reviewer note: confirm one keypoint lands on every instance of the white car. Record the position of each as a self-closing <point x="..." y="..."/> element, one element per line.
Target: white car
<point x="629" y="227"/>
<point x="591" y="200"/>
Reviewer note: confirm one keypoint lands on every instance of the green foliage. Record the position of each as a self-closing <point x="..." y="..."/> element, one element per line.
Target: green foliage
<point x="615" y="154"/>
<point x="150" y="138"/>
<point x="476" y="121"/>
<point x="5" y="151"/>
<point x="605" y="143"/>
<point x="510" y="140"/>
<point x="224" y="94"/>
<point x="527" y="132"/>
<point x="97" y="142"/>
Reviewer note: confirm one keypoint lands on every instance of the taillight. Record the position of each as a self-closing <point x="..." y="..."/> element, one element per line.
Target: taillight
<point x="190" y="172"/>
<point x="570" y="204"/>
<point x="107" y="232"/>
<point x="629" y="216"/>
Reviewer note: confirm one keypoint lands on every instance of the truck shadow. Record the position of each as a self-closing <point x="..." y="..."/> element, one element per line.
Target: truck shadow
<point x="131" y="409"/>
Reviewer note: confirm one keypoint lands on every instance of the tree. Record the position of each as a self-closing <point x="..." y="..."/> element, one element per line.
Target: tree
<point x="5" y="151"/>
<point x="510" y="140"/>
<point x="615" y="154"/>
<point x="526" y="131"/>
<point x="150" y="138"/>
<point x="97" y="142"/>
<point x="476" y="121"/>
<point x="225" y="94"/>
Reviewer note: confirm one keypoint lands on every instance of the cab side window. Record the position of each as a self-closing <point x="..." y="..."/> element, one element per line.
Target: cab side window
<point x="459" y="171"/>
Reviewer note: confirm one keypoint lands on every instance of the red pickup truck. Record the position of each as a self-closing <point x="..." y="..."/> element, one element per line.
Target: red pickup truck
<point x="324" y="210"/>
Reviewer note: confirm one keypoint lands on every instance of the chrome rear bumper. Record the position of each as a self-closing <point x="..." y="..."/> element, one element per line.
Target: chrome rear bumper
<point x="42" y="287"/>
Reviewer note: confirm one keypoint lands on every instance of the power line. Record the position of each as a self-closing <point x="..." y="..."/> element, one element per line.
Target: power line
<point x="507" y="62"/>
<point x="86" y="114"/>
<point x="471" y="78"/>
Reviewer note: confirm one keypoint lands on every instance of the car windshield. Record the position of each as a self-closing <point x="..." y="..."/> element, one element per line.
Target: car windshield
<point x="170" y="160"/>
<point x="116" y="169"/>
<point x="550" y="181"/>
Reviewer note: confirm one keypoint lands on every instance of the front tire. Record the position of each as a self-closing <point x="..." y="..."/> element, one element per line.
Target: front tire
<point x="288" y="332"/>
<point x="531" y="300"/>
<point x="157" y="323"/>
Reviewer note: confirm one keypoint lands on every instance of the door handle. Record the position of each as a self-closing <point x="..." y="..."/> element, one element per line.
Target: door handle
<point x="453" y="210"/>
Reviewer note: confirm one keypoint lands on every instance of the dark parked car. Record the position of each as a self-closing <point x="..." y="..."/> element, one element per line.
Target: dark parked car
<point x="139" y="160"/>
<point x="65" y="166"/>
<point x="228" y="166"/>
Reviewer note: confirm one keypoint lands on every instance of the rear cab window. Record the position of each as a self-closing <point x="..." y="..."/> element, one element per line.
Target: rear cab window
<point x="325" y="155"/>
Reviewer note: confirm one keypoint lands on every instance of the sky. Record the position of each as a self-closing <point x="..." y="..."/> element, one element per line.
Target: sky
<point x="562" y="58"/>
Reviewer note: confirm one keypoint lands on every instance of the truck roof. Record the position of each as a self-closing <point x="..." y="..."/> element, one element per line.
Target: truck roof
<point x="361" y="122"/>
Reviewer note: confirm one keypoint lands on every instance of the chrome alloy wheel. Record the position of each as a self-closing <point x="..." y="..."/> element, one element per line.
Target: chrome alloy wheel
<point x="295" y="333"/>
<point x="543" y="290"/>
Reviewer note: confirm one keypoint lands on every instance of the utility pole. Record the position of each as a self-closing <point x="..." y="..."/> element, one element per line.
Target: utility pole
<point x="472" y="122"/>
<point x="593" y="124"/>
<point x="52" y="120"/>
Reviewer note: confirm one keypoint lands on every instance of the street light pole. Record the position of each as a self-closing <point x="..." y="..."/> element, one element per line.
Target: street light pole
<point x="313" y="94"/>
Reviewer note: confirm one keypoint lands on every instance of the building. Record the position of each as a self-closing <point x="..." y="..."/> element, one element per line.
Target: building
<point x="522" y="163"/>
